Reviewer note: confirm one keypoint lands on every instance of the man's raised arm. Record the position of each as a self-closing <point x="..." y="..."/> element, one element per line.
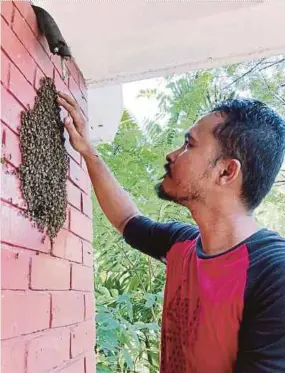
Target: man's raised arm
<point x="114" y="201"/>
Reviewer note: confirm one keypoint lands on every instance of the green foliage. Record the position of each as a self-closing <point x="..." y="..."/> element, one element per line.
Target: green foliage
<point x="129" y="285"/>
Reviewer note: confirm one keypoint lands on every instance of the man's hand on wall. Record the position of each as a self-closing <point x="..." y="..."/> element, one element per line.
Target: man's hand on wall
<point x="75" y="124"/>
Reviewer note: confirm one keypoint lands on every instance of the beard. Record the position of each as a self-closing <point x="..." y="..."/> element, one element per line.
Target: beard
<point x="161" y="193"/>
<point x="182" y="195"/>
<point x="194" y="193"/>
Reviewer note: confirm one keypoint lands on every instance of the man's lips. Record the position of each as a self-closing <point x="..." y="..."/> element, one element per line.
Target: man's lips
<point x="163" y="177"/>
<point x="168" y="171"/>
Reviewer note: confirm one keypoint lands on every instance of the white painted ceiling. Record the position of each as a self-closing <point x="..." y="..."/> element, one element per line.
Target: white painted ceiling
<point x="118" y="41"/>
<point x="115" y="41"/>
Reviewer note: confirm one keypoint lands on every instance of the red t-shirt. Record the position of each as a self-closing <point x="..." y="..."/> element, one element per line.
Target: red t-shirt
<point x="222" y="313"/>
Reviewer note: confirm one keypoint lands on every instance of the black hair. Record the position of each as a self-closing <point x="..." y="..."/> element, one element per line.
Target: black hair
<point x="254" y="134"/>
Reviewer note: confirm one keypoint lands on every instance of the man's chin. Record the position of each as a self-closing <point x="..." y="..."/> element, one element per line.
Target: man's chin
<point x="162" y="194"/>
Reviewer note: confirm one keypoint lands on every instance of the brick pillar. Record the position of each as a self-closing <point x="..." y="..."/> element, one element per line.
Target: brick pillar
<point x="47" y="293"/>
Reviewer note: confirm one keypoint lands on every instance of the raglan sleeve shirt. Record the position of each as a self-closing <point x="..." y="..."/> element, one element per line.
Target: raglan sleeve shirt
<point x="156" y="239"/>
<point x="261" y="323"/>
<point x="262" y="331"/>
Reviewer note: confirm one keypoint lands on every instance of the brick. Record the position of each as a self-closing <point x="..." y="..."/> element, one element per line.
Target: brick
<point x="13" y="157"/>
<point x="10" y="187"/>
<point x="50" y="273"/>
<point x="70" y="150"/>
<point x="79" y="177"/>
<point x="21" y="88"/>
<point x="80" y="224"/>
<point x="73" y="250"/>
<point x="5" y="69"/>
<point x="17" y="52"/>
<point x="82" y="278"/>
<point x="13" y="356"/>
<point x="77" y="94"/>
<point x="10" y="110"/>
<point x="44" y="61"/>
<point x="62" y="87"/>
<point x="39" y="74"/>
<point x="7" y="10"/>
<point x="67" y="220"/>
<point x="82" y="85"/>
<point x="83" y="165"/>
<point x="2" y="142"/>
<point x="56" y="60"/>
<point x="67" y="245"/>
<point x="18" y="230"/>
<point x="48" y="351"/>
<point x="89" y="306"/>
<point x="59" y="83"/>
<point x="90" y="363"/>
<point x="15" y="270"/>
<point x="87" y="254"/>
<point x="74" y="367"/>
<point x="24" y="312"/>
<point x="82" y="338"/>
<point x="73" y="195"/>
<point x="43" y="41"/>
<point x="67" y="308"/>
<point x="59" y="244"/>
<point x="87" y="206"/>
<point x="24" y="7"/>
<point x="11" y="147"/>
<point x="72" y="68"/>
<point x="29" y="40"/>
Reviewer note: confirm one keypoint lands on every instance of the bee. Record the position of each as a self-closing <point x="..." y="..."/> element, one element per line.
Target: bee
<point x="44" y="168"/>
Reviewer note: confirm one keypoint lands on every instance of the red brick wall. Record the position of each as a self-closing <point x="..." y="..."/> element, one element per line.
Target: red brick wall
<point x="47" y="293"/>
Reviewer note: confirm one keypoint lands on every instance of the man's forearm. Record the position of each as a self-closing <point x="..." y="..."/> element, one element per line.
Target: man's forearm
<point x="114" y="201"/>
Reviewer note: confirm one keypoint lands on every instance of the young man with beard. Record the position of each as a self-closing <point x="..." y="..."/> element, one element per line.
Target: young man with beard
<point x="224" y="304"/>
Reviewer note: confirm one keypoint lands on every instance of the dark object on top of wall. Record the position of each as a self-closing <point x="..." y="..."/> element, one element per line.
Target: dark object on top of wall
<point x="49" y="28"/>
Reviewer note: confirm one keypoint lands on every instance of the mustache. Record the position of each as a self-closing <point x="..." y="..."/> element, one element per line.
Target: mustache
<point x="167" y="171"/>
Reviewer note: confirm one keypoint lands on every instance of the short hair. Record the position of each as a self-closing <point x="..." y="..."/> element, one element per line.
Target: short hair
<point x="254" y="134"/>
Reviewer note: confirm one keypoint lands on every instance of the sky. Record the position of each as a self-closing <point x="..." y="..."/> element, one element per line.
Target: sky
<point x="141" y="108"/>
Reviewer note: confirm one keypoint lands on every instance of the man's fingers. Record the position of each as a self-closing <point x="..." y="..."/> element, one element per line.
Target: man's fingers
<point x="69" y="126"/>
<point x="67" y="121"/>
<point x="73" y="111"/>
<point x="66" y="105"/>
<point x="68" y="99"/>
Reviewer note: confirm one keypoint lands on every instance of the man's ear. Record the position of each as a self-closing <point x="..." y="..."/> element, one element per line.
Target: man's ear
<point x="229" y="171"/>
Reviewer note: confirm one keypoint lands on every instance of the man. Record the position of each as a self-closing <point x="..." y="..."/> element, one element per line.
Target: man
<point x="224" y="306"/>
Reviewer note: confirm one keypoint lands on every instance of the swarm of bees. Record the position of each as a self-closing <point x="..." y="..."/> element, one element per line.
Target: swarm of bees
<point x="43" y="172"/>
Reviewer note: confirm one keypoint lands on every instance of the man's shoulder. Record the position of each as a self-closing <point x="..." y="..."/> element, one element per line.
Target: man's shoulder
<point x="156" y="238"/>
<point x="184" y="230"/>
<point x="262" y="330"/>
<point x="173" y="227"/>
<point x="266" y="258"/>
<point x="266" y="245"/>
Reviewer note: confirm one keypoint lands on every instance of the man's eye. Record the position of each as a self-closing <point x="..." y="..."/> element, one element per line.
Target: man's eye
<point x="187" y="144"/>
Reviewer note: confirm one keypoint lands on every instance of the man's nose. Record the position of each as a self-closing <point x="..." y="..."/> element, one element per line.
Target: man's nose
<point x="171" y="157"/>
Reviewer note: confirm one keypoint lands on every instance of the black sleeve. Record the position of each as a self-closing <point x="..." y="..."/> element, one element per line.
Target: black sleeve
<point x="155" y="239"/>
<point x="262" y="332"/>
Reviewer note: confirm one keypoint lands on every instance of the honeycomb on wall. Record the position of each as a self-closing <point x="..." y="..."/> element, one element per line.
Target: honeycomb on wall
<point x="43" y="172"/>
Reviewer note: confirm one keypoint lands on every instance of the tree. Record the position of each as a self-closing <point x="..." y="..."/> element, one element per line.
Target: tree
<point x="128" y="285"/>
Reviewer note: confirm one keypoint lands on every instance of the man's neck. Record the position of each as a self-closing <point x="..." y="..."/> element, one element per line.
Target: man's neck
<point x="222" y="231"/>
